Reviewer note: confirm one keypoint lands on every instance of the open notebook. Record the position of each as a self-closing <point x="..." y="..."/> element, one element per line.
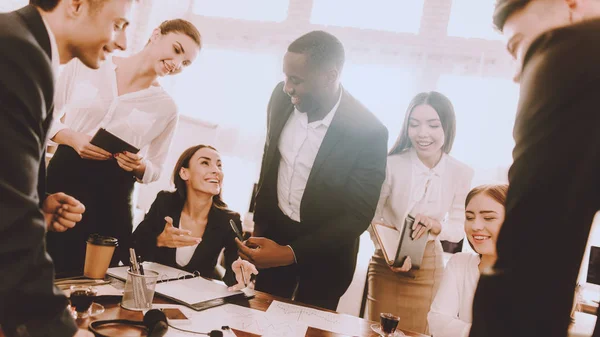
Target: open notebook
<point x="396" y="245"/>
<point x="186" y="288"/>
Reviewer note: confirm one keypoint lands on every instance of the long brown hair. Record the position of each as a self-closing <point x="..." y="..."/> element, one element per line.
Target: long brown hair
<point x="182" y="27"/>
<point x="445" y="110"/>
<point x="184" y="161"/>
<point x="495" y="191"/>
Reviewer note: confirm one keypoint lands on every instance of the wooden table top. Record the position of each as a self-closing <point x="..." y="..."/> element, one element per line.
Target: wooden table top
<point x="261" y="302"/>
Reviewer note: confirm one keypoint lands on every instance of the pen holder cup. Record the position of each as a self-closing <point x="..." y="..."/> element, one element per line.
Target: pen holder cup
<point x="139" y="290"/>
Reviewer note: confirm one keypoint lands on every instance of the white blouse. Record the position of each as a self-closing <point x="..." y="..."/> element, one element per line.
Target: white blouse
<point x="452" y="309"/>
<point x="88" y="100"/>
<point x="410" y="187"/>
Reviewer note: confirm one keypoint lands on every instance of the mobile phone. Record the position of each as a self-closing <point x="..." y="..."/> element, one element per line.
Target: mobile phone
<point x="236" y="230"/>
<point x="174" y="313"/>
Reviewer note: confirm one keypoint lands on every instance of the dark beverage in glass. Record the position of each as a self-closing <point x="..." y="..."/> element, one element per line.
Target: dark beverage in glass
<point x="389" y="322"/>
<point x="81" y="299"/>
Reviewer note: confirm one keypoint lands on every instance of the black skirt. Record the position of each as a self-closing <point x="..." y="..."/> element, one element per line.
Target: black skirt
<point x="106" y="190"/>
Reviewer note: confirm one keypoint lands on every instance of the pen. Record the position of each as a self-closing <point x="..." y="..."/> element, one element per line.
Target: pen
<point x="239" y="235"/>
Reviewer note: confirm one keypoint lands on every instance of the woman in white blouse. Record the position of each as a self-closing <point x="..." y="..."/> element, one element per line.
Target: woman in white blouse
<point x="451" y="310"/>
<point x="123" y="97"/>
<point x="424" y="181"/>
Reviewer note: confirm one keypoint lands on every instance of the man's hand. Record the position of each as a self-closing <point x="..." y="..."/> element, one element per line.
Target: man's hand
<point x="62" y="212"/>
<point x="265" y="253"/>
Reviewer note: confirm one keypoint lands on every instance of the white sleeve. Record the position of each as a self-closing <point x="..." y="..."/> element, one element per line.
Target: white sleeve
<point x="157" y="152"/>
<point x="62" y="95"/>
<point x="443" y="316"/>
<point x="453" y="227"/>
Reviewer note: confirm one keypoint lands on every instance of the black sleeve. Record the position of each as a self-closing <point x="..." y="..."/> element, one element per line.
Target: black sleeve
<point x="553" y="195"/>
<point x="29" y="302"/>
<point x="231" y="252"/>
<point x="146" y="233"/>
<point x="360" y="199"/>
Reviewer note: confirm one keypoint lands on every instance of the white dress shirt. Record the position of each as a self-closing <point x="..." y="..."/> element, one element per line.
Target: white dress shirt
<point x="410" y="187"/>
<point x="299" y="145"/>
<point x="183" y="255"/>
<point x="452" y="309"/>
<point x="88" y="99"/>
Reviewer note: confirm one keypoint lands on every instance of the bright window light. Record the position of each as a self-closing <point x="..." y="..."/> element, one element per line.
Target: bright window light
<point x="258" y="10"/>
<point x="485" y="114"/>
<point x="227" y="87"/>
<point x="402" y="16"/>
<point x="11" y="5"/>
<point x="384" y="89"/>
<point x="472" y="19"/>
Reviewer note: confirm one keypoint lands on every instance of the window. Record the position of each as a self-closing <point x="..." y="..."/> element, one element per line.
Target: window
<point x="392" y="15"/>
<point x="384" y="89"/>
<point x="472" y="19"/>
<point x="259" y="10"/>
<point x="228" y="87"/>
<point x="11" y="5"/>
<point x="485" y="114"/>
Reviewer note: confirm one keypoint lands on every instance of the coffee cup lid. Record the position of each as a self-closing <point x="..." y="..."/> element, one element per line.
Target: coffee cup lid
<point x="99" y="240"/>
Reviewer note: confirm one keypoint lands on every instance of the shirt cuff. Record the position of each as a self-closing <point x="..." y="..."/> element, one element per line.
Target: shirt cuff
<point x="293" y="253"/>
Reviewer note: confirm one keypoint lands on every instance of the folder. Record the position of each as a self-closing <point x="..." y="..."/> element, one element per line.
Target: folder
<point x="165" y="273"/>
<point x="397" y="245"/>
<point x="111" y="143"/>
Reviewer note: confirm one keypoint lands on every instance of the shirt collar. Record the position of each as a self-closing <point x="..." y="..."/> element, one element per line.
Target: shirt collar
<point x="421" y="168"/>
<point x="53" y="47"/>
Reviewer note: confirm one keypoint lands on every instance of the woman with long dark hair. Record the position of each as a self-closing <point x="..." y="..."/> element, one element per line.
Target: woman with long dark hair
<point x="424" y="181"/>
<point x="188" y="228"/>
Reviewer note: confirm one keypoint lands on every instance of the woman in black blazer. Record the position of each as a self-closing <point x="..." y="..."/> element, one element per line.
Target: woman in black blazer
<point x="188" y="228"/>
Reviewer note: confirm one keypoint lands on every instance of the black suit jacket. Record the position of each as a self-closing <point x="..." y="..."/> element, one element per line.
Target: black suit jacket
<point x="218" y="235"/>
<point x="554" y="189"/>
<point x="29" y="303"/>
<point x="341" y="193"/>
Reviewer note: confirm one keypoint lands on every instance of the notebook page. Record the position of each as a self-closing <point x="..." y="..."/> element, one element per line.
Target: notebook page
<point x="389" y="240"/>
<point x="194" y="290"/>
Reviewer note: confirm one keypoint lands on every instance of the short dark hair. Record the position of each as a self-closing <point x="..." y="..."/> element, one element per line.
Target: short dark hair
<point x="504" y="9"/>
<point x="322" y="49"/>
<point x="445" y="110"/>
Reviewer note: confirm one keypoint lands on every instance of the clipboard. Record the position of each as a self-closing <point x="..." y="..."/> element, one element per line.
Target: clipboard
<point x="111" y="143"/>
<point x="396" y="245"/>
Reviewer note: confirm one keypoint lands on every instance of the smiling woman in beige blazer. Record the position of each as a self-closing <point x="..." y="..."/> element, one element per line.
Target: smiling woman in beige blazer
<point x="424" y="181"/>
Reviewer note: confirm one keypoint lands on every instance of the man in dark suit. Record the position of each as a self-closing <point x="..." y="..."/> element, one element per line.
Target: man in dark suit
<point x="554" y="188"/>
<point x="33" y="41"/>
<point x="322" y="171"/>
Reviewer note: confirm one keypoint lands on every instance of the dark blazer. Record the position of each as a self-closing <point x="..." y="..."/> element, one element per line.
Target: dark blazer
<point x="341" y="193"/>
<point x="29" y="303"/>
<point x="554" y="189"/>
<point x="218" y="235"/>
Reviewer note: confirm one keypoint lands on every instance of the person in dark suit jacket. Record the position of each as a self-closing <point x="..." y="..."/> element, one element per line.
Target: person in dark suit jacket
<point x="33" y="41"/>
<point x="321" y="175"/>
<point x="554" y="189"/>
<point x="189" y="227"/>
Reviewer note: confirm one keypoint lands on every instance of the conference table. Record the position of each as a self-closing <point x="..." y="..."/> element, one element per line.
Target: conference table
<point x="260" y="301"/>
